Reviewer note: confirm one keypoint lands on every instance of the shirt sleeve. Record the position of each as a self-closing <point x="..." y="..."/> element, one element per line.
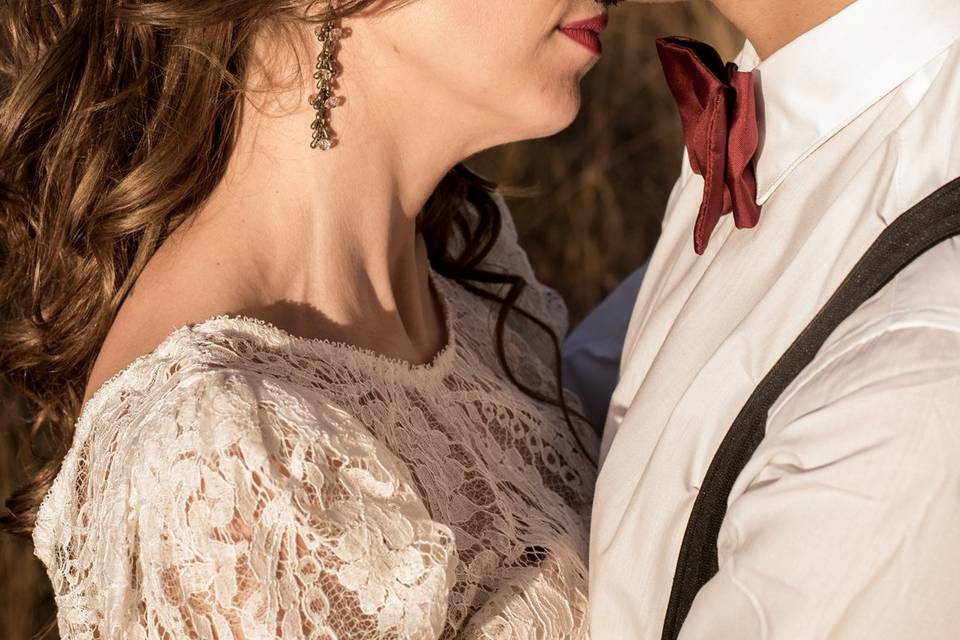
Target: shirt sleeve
<point x="845" y="522"/>
<point x="260" y="511"/>
<point x="592" y="351"/>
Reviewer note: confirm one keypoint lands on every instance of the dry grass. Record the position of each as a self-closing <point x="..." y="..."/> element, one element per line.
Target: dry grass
<point x="602" y="186"/>
<point x="26" y="602"/>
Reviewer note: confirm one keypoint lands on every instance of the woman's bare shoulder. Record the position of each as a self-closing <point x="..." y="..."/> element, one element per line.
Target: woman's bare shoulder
<point x="170" y="294"/>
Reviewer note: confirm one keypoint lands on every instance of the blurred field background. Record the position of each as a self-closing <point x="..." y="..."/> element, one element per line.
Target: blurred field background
<point x="600" y="189"/>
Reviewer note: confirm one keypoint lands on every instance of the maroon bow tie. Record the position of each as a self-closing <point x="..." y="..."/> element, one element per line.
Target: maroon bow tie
<point x="718" y="111"/>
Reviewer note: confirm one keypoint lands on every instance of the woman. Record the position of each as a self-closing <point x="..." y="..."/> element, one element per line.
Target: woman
<point x="281" y="340"/>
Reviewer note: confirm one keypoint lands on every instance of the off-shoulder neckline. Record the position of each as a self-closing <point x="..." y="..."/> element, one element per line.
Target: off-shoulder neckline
<point x="310" y="346"/>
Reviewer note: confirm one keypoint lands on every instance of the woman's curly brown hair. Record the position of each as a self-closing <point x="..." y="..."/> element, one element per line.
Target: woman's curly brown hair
<point x="117" y="119"/>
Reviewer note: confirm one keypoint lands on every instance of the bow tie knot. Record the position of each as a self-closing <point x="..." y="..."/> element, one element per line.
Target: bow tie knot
<point x="718" y="111"/>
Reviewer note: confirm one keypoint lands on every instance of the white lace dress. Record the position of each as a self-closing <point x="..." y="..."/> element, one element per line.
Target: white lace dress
<point x="242" y="482"/>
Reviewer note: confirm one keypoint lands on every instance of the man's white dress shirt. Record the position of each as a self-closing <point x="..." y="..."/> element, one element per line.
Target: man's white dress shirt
<point x="846" y="522"/>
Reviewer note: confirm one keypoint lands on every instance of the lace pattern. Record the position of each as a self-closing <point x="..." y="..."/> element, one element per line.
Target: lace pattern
<point x="241" y="482"/>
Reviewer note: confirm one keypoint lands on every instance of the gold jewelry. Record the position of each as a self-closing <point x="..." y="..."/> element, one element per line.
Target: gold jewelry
<point x="329" y="34"/>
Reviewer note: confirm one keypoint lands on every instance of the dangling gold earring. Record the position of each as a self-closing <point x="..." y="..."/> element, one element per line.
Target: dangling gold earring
<point x="329" y="34"/>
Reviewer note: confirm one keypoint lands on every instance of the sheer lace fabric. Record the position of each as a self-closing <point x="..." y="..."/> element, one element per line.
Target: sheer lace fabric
<point x="241" y="482"/>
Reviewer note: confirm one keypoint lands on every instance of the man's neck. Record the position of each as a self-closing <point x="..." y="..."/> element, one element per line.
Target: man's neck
<point x="771" y="24"/>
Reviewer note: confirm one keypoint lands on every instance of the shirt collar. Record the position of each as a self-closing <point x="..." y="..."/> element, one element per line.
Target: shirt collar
<point x="819" y="83"/>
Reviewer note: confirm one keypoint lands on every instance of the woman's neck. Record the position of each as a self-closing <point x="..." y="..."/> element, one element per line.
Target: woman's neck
<point x="325" y="242"/>
<point x="772" y="24"/>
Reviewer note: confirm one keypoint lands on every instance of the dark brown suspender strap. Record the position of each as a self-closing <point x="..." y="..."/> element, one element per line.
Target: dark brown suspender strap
<point x="929" y="223"/>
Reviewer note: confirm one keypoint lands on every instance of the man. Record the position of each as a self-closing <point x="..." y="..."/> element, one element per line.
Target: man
<point x="845" y="522"/>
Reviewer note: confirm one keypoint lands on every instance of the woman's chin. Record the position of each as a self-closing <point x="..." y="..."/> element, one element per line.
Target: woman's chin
<point x="562" y="113"/>
<point x="555" y="112"/>
<point x="540" y="118"/>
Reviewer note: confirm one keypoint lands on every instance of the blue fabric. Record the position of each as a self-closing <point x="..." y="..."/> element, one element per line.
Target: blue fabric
<point x="592" y="351"/>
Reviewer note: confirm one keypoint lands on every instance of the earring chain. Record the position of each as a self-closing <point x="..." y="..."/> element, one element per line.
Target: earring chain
<point x="329" y="34"/>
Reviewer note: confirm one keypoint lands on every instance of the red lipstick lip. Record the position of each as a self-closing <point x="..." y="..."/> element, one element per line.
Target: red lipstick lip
<point x="595" y="24"/>
<point x="587" y="32"/>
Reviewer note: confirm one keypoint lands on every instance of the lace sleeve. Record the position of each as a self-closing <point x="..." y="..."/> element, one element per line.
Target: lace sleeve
<point x="262" y="512"/>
